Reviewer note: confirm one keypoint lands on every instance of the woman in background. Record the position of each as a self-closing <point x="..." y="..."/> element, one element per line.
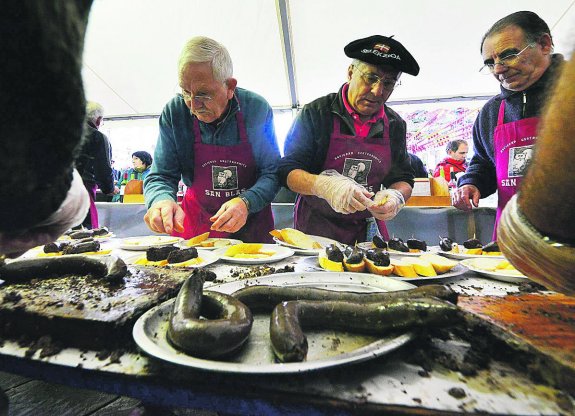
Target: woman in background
<point x="141" y="163"/>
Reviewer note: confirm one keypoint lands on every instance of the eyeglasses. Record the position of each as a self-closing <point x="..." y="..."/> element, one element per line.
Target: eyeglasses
<point x="372" y="79"/>
<point x="202" y="99"/>
<point x="505" y="61"/>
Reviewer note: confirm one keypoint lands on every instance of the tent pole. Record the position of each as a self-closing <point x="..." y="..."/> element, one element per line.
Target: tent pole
<point x="282" y="7"/>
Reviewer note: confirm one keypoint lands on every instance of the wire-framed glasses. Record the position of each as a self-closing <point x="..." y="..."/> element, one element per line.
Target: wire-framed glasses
<point x="372" y="79"/>
<point x="201" y="98"/>
<point x="506" y="61"/>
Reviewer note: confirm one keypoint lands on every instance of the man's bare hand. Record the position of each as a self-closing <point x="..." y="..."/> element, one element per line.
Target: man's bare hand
<point x="231" y="216"/>
<point x="466" y="197"/>
<point x="165" y="217"/>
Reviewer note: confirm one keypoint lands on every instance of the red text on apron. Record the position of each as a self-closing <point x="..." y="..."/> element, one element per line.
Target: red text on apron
<point x="513" y="147"/>
<point x="220" y="174"/>
<point x="367" y="160"/>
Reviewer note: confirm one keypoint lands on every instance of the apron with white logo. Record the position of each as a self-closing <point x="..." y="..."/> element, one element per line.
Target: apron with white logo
<point x="513" y="146"/>
<point x="367" y="161"/>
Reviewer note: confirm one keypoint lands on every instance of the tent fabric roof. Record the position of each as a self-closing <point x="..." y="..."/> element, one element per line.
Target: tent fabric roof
<point x="132" y="46"/>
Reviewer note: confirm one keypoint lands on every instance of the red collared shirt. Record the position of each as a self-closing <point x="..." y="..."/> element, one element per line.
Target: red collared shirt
<point x="361" y="127"/>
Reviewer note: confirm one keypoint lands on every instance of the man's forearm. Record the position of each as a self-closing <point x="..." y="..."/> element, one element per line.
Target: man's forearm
<point x="404" y="188"/>
<point x="300" y="181"/>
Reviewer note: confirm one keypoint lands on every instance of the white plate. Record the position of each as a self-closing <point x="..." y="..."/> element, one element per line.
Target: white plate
<point x="326" y="348"/>
<point x="312" y="264"/>
<point x="280" y="254"/>
<point x="208" y="257"/>
<point x="368" y="244"/>
<point x="145" y="242"/>
<point x="485" y="266"/>
<point x="323" y="241"/>
<point x="462" y="256"/>
<point x="184" y="243"/>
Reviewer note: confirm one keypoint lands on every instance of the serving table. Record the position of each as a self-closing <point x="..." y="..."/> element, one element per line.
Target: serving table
<point x="400" y="382"/>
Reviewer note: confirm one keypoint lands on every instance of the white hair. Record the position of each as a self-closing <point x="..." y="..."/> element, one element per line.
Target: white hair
<point x="203" y="49"/>
<point x="94" y="111"/>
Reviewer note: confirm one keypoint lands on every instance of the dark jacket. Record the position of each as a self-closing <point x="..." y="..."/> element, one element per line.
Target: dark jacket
<point x="417" y="166"/>
<point x="308" y="139"/>
<point x="93" y="161"/>
<point x="481" y="170"/>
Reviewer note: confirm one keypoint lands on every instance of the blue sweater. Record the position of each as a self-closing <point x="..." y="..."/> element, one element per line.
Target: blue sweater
<point x="174" y="154"/>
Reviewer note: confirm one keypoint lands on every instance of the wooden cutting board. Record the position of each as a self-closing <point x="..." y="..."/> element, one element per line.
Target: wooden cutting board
<point x="82" y="311"/>
<point x="542" y="325"/>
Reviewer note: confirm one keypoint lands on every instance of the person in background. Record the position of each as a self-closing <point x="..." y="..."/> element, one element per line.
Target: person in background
<point x="537" y="230"/>
<point x="211" y="127"/>
<point x="115" y="172"/>
<point x="93" y="161"/>
<point x="454" y="162"/>
<point x="518" y="51"/>
<point x="333" y="134"/>
<point x="141" y="163"/>
<point x="41" y="122"/>
<point x="417" y="165"/>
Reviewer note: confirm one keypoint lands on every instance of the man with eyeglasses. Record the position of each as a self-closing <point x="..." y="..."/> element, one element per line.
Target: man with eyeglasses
<point x="336" y="133"/>
<point x="518" y="51"/>
<point x="211" y="128"/>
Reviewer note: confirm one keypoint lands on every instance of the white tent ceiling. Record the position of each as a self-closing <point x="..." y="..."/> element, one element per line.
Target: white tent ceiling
<point x="132" y="46"/>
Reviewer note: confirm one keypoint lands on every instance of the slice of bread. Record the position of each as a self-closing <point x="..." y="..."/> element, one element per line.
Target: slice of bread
<point x="421" y="266"/>
<point x="402" y="268"/>
<point x="297" y="238"/>
<point x="439" y="263"/>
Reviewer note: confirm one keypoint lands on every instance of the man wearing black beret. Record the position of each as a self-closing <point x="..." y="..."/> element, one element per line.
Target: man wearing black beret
<point x="336" y="135"/>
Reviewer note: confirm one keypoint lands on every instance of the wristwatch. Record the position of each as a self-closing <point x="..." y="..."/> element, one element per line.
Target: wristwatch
<point x="243" y="198"/>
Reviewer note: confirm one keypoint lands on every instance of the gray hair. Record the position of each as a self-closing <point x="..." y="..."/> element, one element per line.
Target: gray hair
<point x="356" y="63"/>
<point x="94" y="111"/>
<point x="532" y="25"/>
<point x="203" y="49"/>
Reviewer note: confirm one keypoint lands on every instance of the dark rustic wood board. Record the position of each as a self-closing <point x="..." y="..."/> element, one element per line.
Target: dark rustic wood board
<point x="81" y="310"/>
<point x="538" y="323"/>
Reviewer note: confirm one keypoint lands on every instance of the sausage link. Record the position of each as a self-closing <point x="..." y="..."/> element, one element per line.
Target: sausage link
<point x="289" y="343"/>
<point x="109" y="267"/>
<point x="226" y="328"/>
<point x="265" y="298"/>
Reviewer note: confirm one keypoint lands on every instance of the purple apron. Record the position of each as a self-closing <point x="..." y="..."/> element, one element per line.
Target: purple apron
<point x="513" y="146"/>
<point x="367" y="161"/>
<point x="93" y="211"/>
<point x="220" y="174"/>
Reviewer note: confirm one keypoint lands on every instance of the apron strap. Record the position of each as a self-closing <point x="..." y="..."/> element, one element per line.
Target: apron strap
<point x="501" y="114"/>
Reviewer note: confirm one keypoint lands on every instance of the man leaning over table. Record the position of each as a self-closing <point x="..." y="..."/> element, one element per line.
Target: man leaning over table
<point x="518" y="51"/>
<point x="336" y="136"/>
<point x="211" y="130"/>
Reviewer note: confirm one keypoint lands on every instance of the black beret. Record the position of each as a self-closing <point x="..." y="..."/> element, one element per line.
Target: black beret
<point x="381" y="50"/>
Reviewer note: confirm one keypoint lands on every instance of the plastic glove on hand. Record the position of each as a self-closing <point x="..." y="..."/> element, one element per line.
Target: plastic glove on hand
<point x="386" y="204"/>
<point x="342" y="193"/>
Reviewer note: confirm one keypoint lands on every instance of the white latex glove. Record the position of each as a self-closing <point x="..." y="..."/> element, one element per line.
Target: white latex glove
<point x="342" y="193"/>
<point x="72" y="212"/>
<point x="386" y="204"/>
